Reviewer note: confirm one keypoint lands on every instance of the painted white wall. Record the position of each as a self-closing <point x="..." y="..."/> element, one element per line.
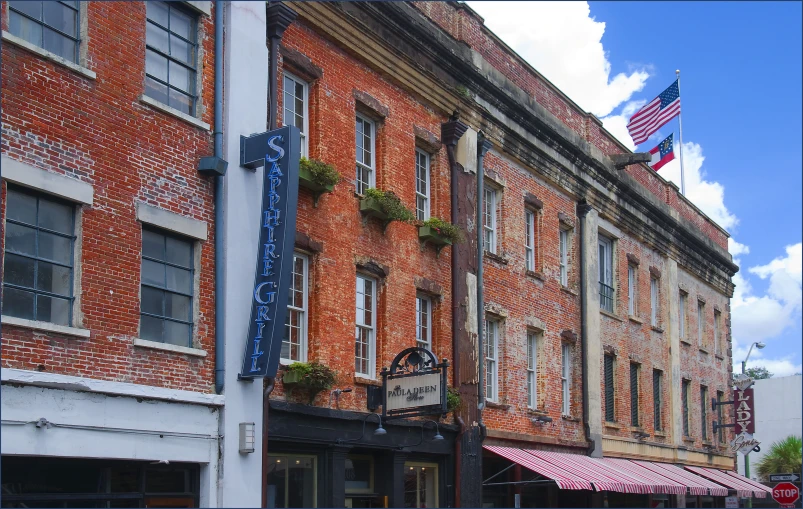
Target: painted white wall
<point x="779" y="413"/>
<point x="245" y="113"/>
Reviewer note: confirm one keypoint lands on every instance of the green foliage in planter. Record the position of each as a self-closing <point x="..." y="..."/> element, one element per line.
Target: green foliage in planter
<point x="453" y="401"/>
<point x="445" y="229"/>
<point x="323" y="174"/>
<point x="391" y="205"/>
<point x="313" y="375"/>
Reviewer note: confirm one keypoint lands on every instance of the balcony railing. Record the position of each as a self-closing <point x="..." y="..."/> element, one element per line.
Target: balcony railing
<point x="605" y="297"/>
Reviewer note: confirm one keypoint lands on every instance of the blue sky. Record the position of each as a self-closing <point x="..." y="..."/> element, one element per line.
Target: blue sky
<point x="741" y="92"/>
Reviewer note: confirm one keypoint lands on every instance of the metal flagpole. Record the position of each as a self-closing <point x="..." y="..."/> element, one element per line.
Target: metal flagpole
<point x="680" y="128"/>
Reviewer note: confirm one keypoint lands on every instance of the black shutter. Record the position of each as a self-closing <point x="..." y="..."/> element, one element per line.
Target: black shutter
<point x="685" y="403"/>
<point x="720" y="434"/>
<point x="634" y="421"/>
<point x="609" y="404"/>
<point x="704" y="411"/>
<point x="656" y="399"/>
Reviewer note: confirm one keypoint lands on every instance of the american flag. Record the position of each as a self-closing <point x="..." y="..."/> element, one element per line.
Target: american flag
<point x="655" y="114"/>
<point x="663" y="153"/>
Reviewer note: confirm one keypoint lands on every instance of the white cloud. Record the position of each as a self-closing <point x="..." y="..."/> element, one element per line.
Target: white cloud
<point x="785" y="275"/>
<point x="564" y="43"/>
<point x="735" y="248"/>
<point x="617" y="124"/>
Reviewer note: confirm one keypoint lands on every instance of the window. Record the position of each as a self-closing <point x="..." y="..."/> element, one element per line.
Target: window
<point x="365" y="154"/>
<point x="53" y="26"/>
<point x="634" y="395"/>
<point x="365" y="340"/>
<point x="704" y="411"/>
<point x="654" y="301"/>
<point x="684" y="396"/>
<point x="38" y="267"/>
<point x="657" y="400"/>
<point x="565" y="378"/>
<point x="700" y="323"/>
<point x="532" y="376"/>
<point x="421" y="185"/>
<point x="167" y="281"/>
<point x="420" y="485"/>
<point x="632" y="284"/>
<point x="491" y="351"/>
<point x="423" y="322"/>
<point x="720" y="431"/>
<point x="296" y="98"/>
<point x="610" y="407"/>
<point x="683" y="297"/>
<point x="359" y="474"/>
<point x="529" y="239"/>
<point x="564" y="257"/>
<point x="170" y="56"/>
<point x="717" y="318"/>
<point x="294" y="343"/>
<point x="606" y="274"/>
<point x="489" y="220"/>
<point x="292" y="481"/>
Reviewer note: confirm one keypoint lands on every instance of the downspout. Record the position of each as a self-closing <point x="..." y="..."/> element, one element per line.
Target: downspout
<point x="583" y="209"/>
<point x="220" y="315"/>
<point x="483" y="146"/>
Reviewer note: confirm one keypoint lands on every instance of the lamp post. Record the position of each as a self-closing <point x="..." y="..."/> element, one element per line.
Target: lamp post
<point x="759" y="345"/>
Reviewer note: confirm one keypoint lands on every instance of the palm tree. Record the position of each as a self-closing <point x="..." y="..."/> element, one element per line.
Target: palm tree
<point x="784" y="457"/>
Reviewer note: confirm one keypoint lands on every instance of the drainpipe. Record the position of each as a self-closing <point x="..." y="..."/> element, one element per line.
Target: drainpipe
<point x="483" y="146"/>
<point x="582" y="209"/>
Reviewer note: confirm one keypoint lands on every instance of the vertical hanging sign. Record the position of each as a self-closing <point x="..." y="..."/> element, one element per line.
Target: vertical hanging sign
<point x="279" y="152"/>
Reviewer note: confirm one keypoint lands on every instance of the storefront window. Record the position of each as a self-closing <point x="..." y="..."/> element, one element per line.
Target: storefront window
<point x="292" y="481"/>
<point x="359" y="474"/>
<point x="420" y="485"/>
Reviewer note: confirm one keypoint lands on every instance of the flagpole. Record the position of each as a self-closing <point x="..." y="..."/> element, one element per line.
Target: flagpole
<point x="680" y="128"/>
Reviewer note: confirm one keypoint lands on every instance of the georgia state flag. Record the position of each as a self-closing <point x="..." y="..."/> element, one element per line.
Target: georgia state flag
<point x="663" y="153"/>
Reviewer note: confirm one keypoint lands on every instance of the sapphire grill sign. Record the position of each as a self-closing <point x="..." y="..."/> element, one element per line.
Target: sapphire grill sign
<point x="279" y="152"/>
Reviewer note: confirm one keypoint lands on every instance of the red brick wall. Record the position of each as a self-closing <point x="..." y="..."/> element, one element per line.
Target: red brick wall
<point x="99" y="132"/>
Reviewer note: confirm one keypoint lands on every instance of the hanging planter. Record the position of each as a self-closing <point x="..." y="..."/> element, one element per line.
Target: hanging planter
<point x="317" y="176"/>
<point x="385" y="206"/>
<point x="312" y="377"/>
<point x="439" y="233"/>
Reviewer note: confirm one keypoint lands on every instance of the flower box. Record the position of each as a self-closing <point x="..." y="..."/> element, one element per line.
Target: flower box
<point x="306" y="180"/>
<point x="370" y="207"/>
<point x="429" y="234"/>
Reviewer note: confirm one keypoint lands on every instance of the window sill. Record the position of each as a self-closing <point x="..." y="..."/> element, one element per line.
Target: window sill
<point x="366" y="381"/>
<point x="45" y="326"/>
<point x="174" y="112"/>
<point x="167" y="347"/>
<point x="496" y="258"/>
<point x="610" y="315"/>
<point x="634" y="319"/>
<point x="568" y="290"/>
<point x="685" y="342"/>
<point x="498" y="406"/>
<point x="688" y="439"/>
<point x="613" y="425"/>
<point x="570" y="418"/>
<point x="22" y="43"/>
<point x="536" y="411"/>
<point x="703" y="350"/>
<point x="656" y="329"/>
<point x="659" y="434"/>
<point x="719" y="357"/>
<point x="535" y="275"/>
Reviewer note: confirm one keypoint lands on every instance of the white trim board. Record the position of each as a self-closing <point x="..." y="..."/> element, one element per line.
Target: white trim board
<point x="46" y="181"/>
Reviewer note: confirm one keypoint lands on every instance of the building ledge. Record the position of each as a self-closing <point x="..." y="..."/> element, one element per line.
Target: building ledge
<point x="613" y="425"/>
<point x="366" y="381"/>
<point x="498" y="406"/>
<point x="568" y="290"/>
<point x="610" y="315"/>
<point x="167" y="347"/>
<point x="496" y="258"/>
<point x="535" y="275"/>
<point x="45" y="326"/>
<point x="635" y="319"/>
<point x="655" y="328"/>
<point x="685" y="342"/>
<point x="22" y="43"/>
<point x="570" y="418"/>
<point x="174" y="112"/>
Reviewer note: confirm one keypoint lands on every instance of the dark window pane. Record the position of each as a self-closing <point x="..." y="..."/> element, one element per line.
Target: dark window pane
<point x="20" y="239"/>
<point x="181" y="24"/>
<point x="172" y="480"/>
<point x="156" y="66"/>
<point x="150" y="328"/>
<point x="177" y="306"/>
<point x="24" y="28"/>
<point x="153" y="273"/>
<point x="60" y="17"/>
<point x="123" y="480"/>
<point x="55" y="216"/>
<point x="182" y="50"/>
<point x="54" y="310"/>
<point x="157" y="11"/>
<point x="156" y="37"/>
<point x="17" y="303"/>
<point x="21" y="207"/>
<point x="152" y="301"/>
<point x="181" y="102"/>
<point x="32" y="9"/>
<point x="56" y="248"/>
<point x="60" y="45"/>
<point x="18" y="270"/>
<point x="179" y="280"/>
<point x="179" y="252"/>
<point x="53" y="279"/>
<point x="153" y="245"/>
<point x="177" y="333"/>
<point x="156" y="90"/>
<point x="180" y="77"/>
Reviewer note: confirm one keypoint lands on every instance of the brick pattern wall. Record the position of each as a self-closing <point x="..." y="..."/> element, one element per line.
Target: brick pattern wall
<point x="98" y="131"/>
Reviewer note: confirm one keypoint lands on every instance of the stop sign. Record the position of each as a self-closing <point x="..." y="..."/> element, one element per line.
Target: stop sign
<point x="785" y="493"/>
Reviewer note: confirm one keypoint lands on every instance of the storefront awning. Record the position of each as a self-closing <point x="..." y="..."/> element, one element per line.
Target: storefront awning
<point x="697" y="485"/>
<point x="564" y="480"/>
<point x="594" y="470"/>
<point x="661" y="483"/>
<point x="744" y="487"/>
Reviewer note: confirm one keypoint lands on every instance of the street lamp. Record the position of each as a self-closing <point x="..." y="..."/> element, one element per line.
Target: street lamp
<point x="759" y="345"/>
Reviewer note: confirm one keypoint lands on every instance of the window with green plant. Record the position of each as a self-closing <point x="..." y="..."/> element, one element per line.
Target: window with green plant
<point x="294" y="343"/>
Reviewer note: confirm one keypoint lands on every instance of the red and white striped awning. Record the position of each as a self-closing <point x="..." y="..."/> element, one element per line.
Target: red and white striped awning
<point x="594" y="471"/>
<point x="697" y="485"/>
<point x="564" y="480"/>
<point x="744" y="487"/>
<point x="661" y="483"/>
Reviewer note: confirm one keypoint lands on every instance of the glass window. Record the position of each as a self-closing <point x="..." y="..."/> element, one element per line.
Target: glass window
<point x="166" y="288"/>
<point x="654" y="301"/>
<point x="294" y="343"/>
<point x="682" y="314"/>
<point x="717" y="318"/>
<point x="359" y="474"/>
<point x="529" y="239"/>
<point x="532" y="375"/>
<point x="170" y="55"/>
<point x="53" y="26"/>
<point x="296" y="93"/>
<point x="38" y="265"/>
<point x="489" y="220"/>
<point x="610" y="403"/>
<point x="684" y="396"/>
<point x="606" y="274"/>
<point x="565" y="378"/>
<point x="657" y="400"/>
<point x="420" y="485"/>
<point x="421" y="185"/>
<point x="292" y="481"/>
<point x="365" y="154"/>
<point x="365" y="337"/>
<point x="632" y="284"/>
<point x="564" y="257"/>
<point x="704" y="411"/>
<point x="700" y="322"/>
<point x="491" y="348"/>
<point x="634" y="395"/>
<point x="423" y="322"/>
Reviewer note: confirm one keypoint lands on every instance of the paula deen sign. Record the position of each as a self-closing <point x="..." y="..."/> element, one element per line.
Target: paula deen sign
<point x="414" y="385"/>
<point x="414" y="391"/>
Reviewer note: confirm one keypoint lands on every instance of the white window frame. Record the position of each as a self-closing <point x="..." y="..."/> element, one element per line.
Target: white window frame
<point x="532" y="369"/>
<point x="717" y="318"/>
<point x="424" y="339"/>
<point x="683" y="298"/>
<point x="411" y="465"/>
<point x="565" y="378"/>
<point x="371" y="328"/>
<point x="305" y="114"/>
<point x="489" y="219"/>
<point x="655" y="300"/>
<point x="632" y="289"/>
<point x="700" y="323"/>
<point x="424" y="197"/>
<point x="563" y="246"/>
<point x="606" y="270"/>
<point x="303" y="311"/>
<point x="529" y="239"/>
<point x="491" y="361"/>
<point x="372" y="167"/>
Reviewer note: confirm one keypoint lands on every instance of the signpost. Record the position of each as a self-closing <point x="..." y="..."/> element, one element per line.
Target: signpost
<point x="414" y="385"/>
<point x="786" y="494"/>
<point x="784" y="477"/>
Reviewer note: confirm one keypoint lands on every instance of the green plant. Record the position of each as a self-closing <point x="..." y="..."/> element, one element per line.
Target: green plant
<point x="313" y="375"/>
<point x="758" y="373"/>
<point x="323" y="174"/>
<point x="391" y="205"/>
<point x="462" y="90"/>
<point x="453" y="401"/>
<point x="784" y="456"/>
<point x="445" y="229"/>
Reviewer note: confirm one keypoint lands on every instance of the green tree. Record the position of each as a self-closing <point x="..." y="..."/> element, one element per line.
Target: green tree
<point x="758" y="373"/>
<point x="784" y="457"/>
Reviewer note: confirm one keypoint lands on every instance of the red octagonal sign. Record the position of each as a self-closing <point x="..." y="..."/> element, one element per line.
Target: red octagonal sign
<point x="785" y="493"/>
